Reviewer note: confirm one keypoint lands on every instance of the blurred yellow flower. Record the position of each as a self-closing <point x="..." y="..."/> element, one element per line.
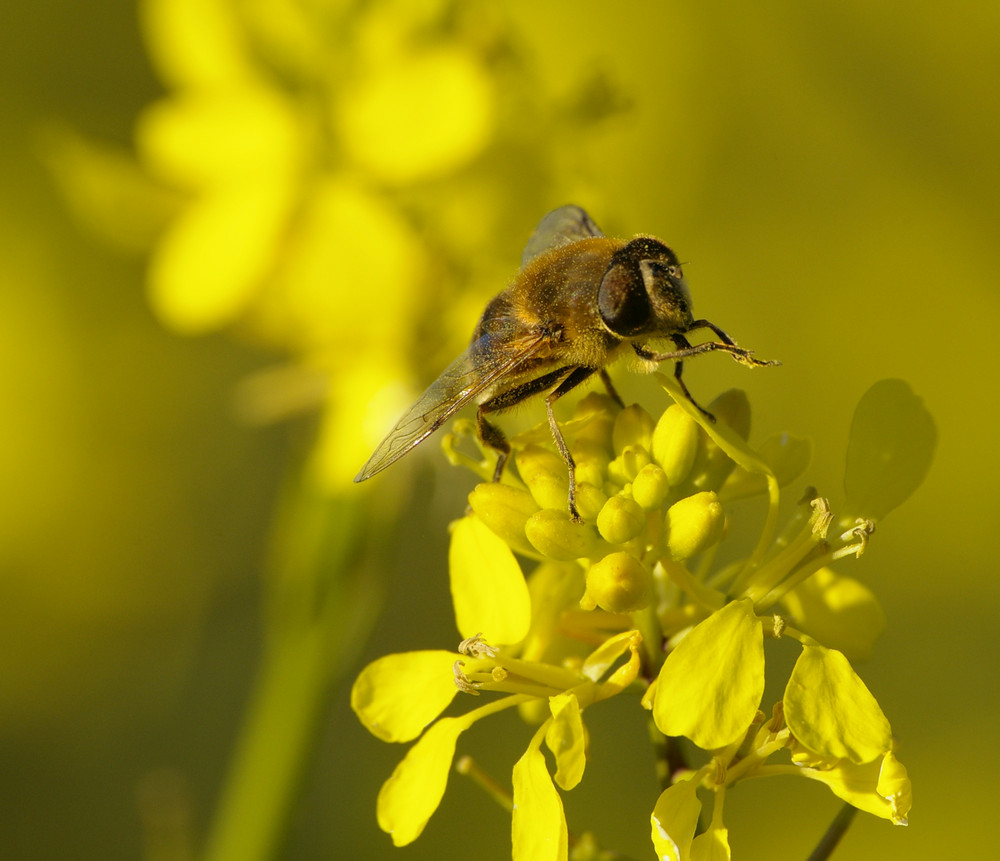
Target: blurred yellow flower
<point x="419" y="116"/>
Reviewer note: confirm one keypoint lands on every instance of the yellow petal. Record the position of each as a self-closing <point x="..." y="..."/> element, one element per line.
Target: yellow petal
<point x="674" y="819"/>
<point x="840" y="612"/>
<point x="248" y="134"/>
<point x="411" y="795"/>
<point x="539" y="824"/>
<point x="195" y="42"/>
<point x="213" y="259"/>
<point x="350" y="252"/>
<point x="487" y="587"/>
<point x="417" y="117"/>
<point x="397" y="696"/>
<point x="894" y="787"/>
<point x="606" y="655"/>
<point x="567" y="739"/>
<point x="787" y="455"/>
<point x="892" y="443"/>
<point x="861" y="785"/>
<point x="710" y="686"/>
<point x="713" y="845"/>
<point x="831" y="712"/>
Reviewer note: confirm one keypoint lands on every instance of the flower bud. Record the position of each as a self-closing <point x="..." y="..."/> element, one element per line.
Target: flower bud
<point x="598" y="429"/>
<point x="712" y="466"/>
<point x="650" y="487"/>
<point x="546" y="475"/>
<point x="626" y="466"/>
<point x="675" y="443"/>
<point x="505" y="510"/>
<point x="590" y="500"/>
<point x="633" y="426"/>
<point x="591" y="461"/>
<point x="618" y="583"/>
<point x="553" y="533"/>
<point x="620" y="520"/>
<point x="694" y="524"/>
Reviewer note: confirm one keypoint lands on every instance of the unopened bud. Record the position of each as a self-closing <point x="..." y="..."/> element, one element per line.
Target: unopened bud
<point x="626" y="466"/>
<point x="591" y="461"/>
<point x="618" y="583"/>
<point x="553" y="533"/>
<point x="505" y="510"/>
<point x="545" y="474"/>
<point x="633" y="426"/>
<point x="602" y="410"/>
<point x="675" y="443"/>
<point x="712" y="465"/>
<point x="590" y="500"/>
<point x="694" y="524"/>
<point x="650" y="487"/>
<point x="620" y="520"/>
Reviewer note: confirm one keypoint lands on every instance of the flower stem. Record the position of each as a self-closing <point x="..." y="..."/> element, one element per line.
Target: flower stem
<point x="837" y="829"/>
<point x="318" y="608"/>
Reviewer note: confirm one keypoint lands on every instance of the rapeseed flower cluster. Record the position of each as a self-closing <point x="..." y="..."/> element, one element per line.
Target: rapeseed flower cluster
<point x="644" y="598"/>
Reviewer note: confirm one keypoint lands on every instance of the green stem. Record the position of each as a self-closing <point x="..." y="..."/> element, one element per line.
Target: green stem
<point x="319" y="604"/>
<point x="841" y="822"/>
<point x="271" y="754"/>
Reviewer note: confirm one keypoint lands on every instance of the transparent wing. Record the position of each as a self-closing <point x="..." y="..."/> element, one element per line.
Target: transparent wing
<point x="469" y="375"/>
<point x="560" y="227"/>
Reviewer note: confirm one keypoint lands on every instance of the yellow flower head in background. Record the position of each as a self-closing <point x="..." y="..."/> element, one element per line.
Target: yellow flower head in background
<point x="331" y="183"/>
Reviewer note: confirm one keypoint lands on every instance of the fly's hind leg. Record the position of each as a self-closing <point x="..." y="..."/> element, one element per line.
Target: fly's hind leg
<point x="564" y="380"/>
<point x="489" y="433"/>
<point x="567" y="385"/>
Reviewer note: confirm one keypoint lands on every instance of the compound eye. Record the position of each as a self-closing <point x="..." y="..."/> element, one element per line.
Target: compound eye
<point x="622" y="300"/>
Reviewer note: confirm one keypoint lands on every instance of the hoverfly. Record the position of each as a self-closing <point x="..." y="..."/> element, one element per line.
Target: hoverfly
<point x="580" y="301"/>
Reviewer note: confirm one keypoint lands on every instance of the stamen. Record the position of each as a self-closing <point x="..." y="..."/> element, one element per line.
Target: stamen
<point x="476" y="647"/>
<point x="462" y="681"/>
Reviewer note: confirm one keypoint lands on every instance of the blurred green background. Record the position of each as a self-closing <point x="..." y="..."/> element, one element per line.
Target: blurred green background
<point x="828" y="172"/>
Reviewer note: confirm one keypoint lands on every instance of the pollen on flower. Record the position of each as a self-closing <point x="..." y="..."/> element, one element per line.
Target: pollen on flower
<point x="860" y="534"/>
<point x="822" y="516"/>
<point x="462" y="681"/>
<point x="476" y="646"/>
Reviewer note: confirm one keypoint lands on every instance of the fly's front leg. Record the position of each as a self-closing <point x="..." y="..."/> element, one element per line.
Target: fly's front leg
<point x="677" y="357"/>
<point x="684" y="350"/>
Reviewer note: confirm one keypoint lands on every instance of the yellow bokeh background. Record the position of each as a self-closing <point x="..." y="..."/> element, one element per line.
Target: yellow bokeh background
<point x="829" y="175"/>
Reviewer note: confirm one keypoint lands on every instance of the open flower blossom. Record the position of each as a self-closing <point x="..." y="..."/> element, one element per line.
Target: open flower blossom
<point x="632" y="600"/>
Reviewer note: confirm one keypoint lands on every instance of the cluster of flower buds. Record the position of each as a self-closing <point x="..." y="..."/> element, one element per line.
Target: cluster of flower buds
<point x="639" y="596"/>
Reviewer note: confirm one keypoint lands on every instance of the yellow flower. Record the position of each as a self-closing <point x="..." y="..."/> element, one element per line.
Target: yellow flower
<point x="398" y="695"/>
<point x="646" y="561"/>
